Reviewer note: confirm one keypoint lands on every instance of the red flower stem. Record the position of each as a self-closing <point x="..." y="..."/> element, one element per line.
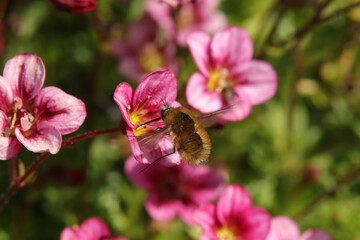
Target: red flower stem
<point x="15" y="184"/>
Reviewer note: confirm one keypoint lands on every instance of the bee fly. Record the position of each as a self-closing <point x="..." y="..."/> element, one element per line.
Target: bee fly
<point x="186" y="131"/>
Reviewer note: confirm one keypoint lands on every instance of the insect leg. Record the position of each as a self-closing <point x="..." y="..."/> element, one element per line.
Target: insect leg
<point x="157" y="160"/>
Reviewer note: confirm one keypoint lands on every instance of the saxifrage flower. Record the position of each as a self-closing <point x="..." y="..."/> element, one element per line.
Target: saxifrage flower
<point x="233" y="217"/>
<point x="228" y="74"/>
<point x="31" y="116"/>
<point x="92" y="228"/>
<point x="284" y="228"/>
<point x="199" y="15"/>
<point x="142" y="52"/>
<point x="176" y="190"/>
<point x="142" y="106"/>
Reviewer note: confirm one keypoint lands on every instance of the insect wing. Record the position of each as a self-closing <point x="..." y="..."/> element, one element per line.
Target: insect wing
<point x="152" y="138"/>
<point x="210" y="119"/>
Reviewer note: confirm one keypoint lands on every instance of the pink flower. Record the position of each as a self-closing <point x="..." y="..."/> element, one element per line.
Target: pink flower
<point x="142" y="52"/>
<point x="31" y="116"/>
<point x="143" y="106"/>
<point x="234" y="217"/>
<point x="227" y="73"/>
<point x="176" y="190"/>
<point x="194" y="15"/>
<point x="175" y="3"/>
<point x="91" y="229"/>
<point x="284" y="228"/>
<point x="74" y="6"/>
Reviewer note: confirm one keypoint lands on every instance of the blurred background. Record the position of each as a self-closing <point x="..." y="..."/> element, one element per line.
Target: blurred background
<point x="301" y="144"/>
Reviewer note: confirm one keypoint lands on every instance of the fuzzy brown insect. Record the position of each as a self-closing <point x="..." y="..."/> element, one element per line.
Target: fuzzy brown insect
<point x="187" y="133"/>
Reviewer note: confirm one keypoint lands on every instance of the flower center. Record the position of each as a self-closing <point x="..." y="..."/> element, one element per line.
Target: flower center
<point x="19" y="117"/>
<point x="226" y="233"/>
<point x="151" y="58"/>
<point x="218" y="80"/>
<point x="140" y="115"/>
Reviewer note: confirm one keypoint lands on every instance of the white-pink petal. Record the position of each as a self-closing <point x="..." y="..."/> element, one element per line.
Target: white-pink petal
<point x="231" y="46"/>
<point x="43" y="138"/>
<point x="313" y="234"/>
<point x="283" y="228"/>
<point x="199" y="97"/>
<point x="63" y="111"/>
<point x="239" y="108"/>
<point x="232" y="201"/>
<point x="9" y="146"/>
<point x="257" y="79"/>
<point x="26" y="75"/>
<point x="199" y="46"/>
<point x="6" y="95"/>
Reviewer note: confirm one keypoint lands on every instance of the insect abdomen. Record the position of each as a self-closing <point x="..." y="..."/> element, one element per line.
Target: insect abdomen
<point x="189" y="137"/>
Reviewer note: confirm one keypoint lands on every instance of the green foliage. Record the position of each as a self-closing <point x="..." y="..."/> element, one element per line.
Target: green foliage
<point x="289" y="151"/>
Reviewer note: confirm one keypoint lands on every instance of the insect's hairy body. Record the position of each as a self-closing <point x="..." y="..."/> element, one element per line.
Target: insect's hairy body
<point x="189" y="136"/>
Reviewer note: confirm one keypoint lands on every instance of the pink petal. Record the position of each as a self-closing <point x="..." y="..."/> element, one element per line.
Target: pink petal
<point x="132" y="170"/>
<point x="257" y="79"/>
<point x="231" y="46"/>
<point x="206" y="218"/>
<point x="161" y="210"/>
<point x="161" y="13"/>
<point x="148" y="152"/>
<point x="68" y="234"/>
<point x="43" y="138"/>
<point x="199" y="97"/>
<point x="239" y="107"/>
<point x="157" y="86"/>
<point x="92" y="229"/>
<point x="313" y="234"/>
<point x="26" y="75"/>
<point x="232" y="201"/>
<point x="199" y="46"/>
<point x="283" y="228"/>
<point x="63" y="111"/>
<point x="123" y="96"/>
<point x="206" y="183"/>
<point x="9" y="146"/>
<point x="6" y="95"/>
<point x="254" y="223"/>
<point x="214" y="22"/>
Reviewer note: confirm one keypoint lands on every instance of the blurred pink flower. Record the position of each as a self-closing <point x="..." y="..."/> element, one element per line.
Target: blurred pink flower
<point x="143" y="106"/>
<point x="175" y="3"/>
<point x="176" y="190"/>
<point x="143" y="52"/>
<point x="234" y="217"/>
<point x="227" y="73"/>
<point x="75" y="6"/>
<point x="194" y="15"/>
<point x="31" y="116"/>
<point x="92" y="228"/>
<point x="284" y="228"/>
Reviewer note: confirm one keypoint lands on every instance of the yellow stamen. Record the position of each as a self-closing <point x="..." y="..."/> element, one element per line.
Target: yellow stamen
<point x="151" y="58"/>
<point x="226" y="233"/>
